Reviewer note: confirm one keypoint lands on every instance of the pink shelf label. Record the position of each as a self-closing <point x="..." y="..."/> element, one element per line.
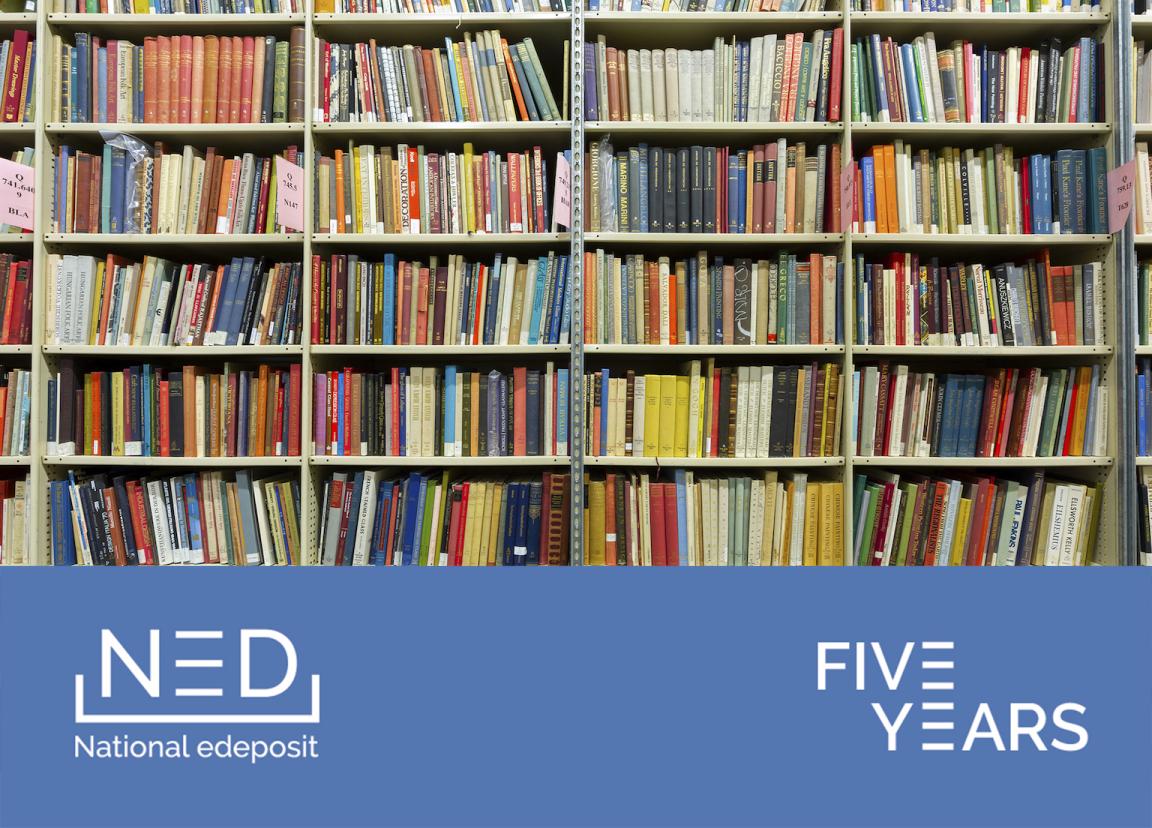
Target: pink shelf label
<point x="17" y="194"/>
<point x="289" y="195"/>
<point x="1120" y="192"/>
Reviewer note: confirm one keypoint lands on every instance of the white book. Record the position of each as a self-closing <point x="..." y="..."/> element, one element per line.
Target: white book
<point x="723" y="498"/>
<point x="647" y="110"/>
<point x="684" y="85"/>
<point x="707" y="73"/>
<point x="366" y="507"/>
<point x="756" y="523"/>
<point x="799" y="506"/>
<point x="659" y="88"/>
<point x="672" y="84"/>
<point x="741" y="436"/>
<point x="1055" y="528"/>
<point x="752" y="440"/>
<point x="697" y="85"/>
<point x="871" y="385"/>
<point x="634" y="102"/>
<point x="762" y="438"/>
<point x="1073" y="525"/>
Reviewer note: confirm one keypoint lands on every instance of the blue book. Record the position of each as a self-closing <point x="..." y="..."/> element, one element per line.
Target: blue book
<point x="236" y="336"/>
<point x="192" y="505"/>
<point x="537" y="303"/>
<point x="102" y="86"/>
<point x="953" y="403"/>
<point x="63" y="541"/>
<point x="419" y="558"/>
<point x="733" y="194"/>
<point x="535" y="497"/>
<point x="682" y="516"/>
<point x="491" y="310"/>
<point x="559" y="301"/>
<point x="562" y="407"/>
<point x="565" y="307"/>
<point x="242" y="415"/>
<point x="411" y="492"/>
<point x="389" y="316"/>
<point x="868" y="179"/>
<point x="1098" y="190"/>
<point x="1082" y="103"/>
<point x="973" y="404"/>
<point x="878" y="79"/>
<point x="449" y="409"/>
<point x="915" y="114"/>
<point x="508" y="539"/>
<point x="106" y="189"/>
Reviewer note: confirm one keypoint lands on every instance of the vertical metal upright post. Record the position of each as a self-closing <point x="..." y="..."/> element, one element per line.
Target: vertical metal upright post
<point x="576" y="288"/>
<point x="1124" y="137"/>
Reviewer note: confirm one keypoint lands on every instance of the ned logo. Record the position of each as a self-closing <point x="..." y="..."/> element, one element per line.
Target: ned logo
<point x="199" y="690"/>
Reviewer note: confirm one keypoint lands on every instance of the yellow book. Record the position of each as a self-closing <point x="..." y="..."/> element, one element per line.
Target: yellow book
<point x="494" y="512"/>
<point x="769" y="525"/>
<point x="357" y="192"/>
<point x="1080" y="421"/>
<point x="667" y="439"/>
<point x="812" y="524"/>
<point x="698" y="423"/>
<point x="651" y="415"/>
<point x="786" y="517"/>
<point x="469" y="202"/>
<point x="117" y="413"/>
<point x="472" y="518"/>
<point x="836" y="556"/>
<point x="97" y="301"/>
<point x="680" y="417"/>
<point x="88" y="449"/>
<point x="293" y="540"/>
<point x="1087" y="537"/>
<point x="594" y="528"/>
<point x="483" y="523"/>
<point x="827" y="545"/>
<point x="960" y="534"/>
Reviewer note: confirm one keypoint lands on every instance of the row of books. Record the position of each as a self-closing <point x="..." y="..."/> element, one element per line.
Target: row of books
<point x="15" y="521"/>
<point x="176" y="6"/>
<point x="18" y="57"/>
<point x="1141" y="81"/>
<point x="1143" y="406"/>
<point x="1005" y="412"/>
<point x="16" y="305"/>
<point x="165" y="192"/>
<point x="634" y="300"/>
<point x="786" y="77"/>
<point x="974" y="520"/>
<point x="778" y="187"/>
<point x="1142" y="208"/>
<point x="772" y="520"/>
<point x="981" y="191"/>
<point x="197" y="518"/>
<point x="714" y="411"/>
<point x="117" y="301"/>
<point x="425" y="520"/>
<point x="981" y="6"/>
<point x="969" y="83"/>
<point x="443" y="301"/>
<point x="706" y="5"/>
<point x="181" y="79"/>
<point x="174" y="411"/>
<point x="1145" y="521"/>
<point x="15" y="412"/>
<point x="438" y="6"/>
<point x="482" y="78"/>
<point x="408" y="190"/>
<point x="905" y="300"/>
<point x="25" y="156"/>
<point x="441" y="411"/>
<point x="1144" y="303"/>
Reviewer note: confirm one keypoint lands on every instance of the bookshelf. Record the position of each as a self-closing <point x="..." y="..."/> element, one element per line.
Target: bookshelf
<point x="1116" y="469"/>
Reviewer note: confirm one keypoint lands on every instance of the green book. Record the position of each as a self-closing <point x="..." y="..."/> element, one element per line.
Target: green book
<point x="280" y="84"/>
<point x="426" y="523"/>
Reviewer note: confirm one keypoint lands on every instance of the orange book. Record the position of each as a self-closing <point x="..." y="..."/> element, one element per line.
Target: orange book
<point x="790" y="178"/>
<point x="217" y="283"/>
<point x="880" y="169"/>
<point x="256" y="98"/>
<point x="423" y="277"/>
<point x="184" y="109"/>
<point x="150" y="80"/>
<point x="189" y="376"/>
<point x="590" y="298"/>
<point x="673" y="311"/>
<point x="165" y="436"/>
<point x="195" y="110"/>
<point x="111" y="263"/>
<point x="890" y="171"/>
<point x="220" y="224"/>
<point x="213" y="416"/>
<point x="1080" y="423"/>
<point x="611" y="542"/>
<point x="236" y="82"/>
<point x="257" y="444"/>
<point x="474" y="425"/>
<point x="247" y="65"/>
<point x="414" y="189"/>
<point x="816" y="298"/>
<point x="163" y="78"/>
<point x="211" y="78"/>
<point x="223" y="79"/>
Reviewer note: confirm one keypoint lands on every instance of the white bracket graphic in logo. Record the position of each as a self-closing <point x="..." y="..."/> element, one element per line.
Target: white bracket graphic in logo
<point x="150" y="681"/>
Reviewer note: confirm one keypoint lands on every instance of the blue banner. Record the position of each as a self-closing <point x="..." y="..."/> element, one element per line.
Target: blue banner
<point x="233" y="697"/>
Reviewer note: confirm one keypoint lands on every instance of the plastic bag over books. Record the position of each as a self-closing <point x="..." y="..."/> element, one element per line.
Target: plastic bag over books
<point x="135" y="152"/>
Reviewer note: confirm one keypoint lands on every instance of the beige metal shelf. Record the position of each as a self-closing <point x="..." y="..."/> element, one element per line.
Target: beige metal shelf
<point x="1062" y="351"/>
<point x="12" y="460"/>
<point x="82" y="460"/>
<point x="440" y="239"/>
<point x="213" y="22"/>
<point x="985" y="462"/>
<point x="479" y="464"/>
<point x="253" y="351"/>
<point x="145" y="239"/>
<point x="718" y="462"/>
<point x="712" y="350"/>
<point x="1001" y="239"/>
<point x="777" y="239"/>
<point x="965" y="130"/>
<point x="439" y="350"/>
<point x="287" y="131"/>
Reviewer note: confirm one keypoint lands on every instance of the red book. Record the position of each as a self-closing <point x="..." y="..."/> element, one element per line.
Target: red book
<point x="837" y="67"/>
<point x="540" y="225"/>
<point x="1004" y="414"/>
<point x="515" y="213"/>
<point x="414" y="189"/>
<point x="1074" y="91"/>
<point x="196" y="104"/>
<point x="235" y="82"/>
<point x="345" y="512"/>
<point x="771" y="165"/>
<point x="223" y="79"/>
<point x="714" y="438"/>
<point x="165" y="420"/>
<point x="658" y="523"/>
<point x="610" y="540"/>
<point x="14" y="78"/>
<point x="454" y="501"/>
<point x="422" y="287"/>
<point x="397" y="449"/>
<point x="1074" y="393"/>
<point x="246" y="67"/>
<point x="233" y="396"/>
<point x="393" y="513"/>
<point x="671" y="531"/>
<point x="184" y="104"/>
<point x="119" y="550"/>
<point x="520" y="411"/>
<point x="294" y="393"/>
<point x="348" y="411"/>
<point x="278" y="419"/>
<point x="458" y="553"/>
<point x="316" y="300"/>
<point x="140" y="527"/>
<point x="111" y="86"/>
<point x="405" y="274"/>
<point x="262" y="203"/>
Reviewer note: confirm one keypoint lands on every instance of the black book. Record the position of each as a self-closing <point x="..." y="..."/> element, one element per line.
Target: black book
<point x="655" y="190"/>
<point x="724" y="449"/>
<point x="66" y="393"/>
<point x="696" y="203"/>
<point x="176" y="414"/>
<point x="683" y="190"/>
<point x="105" y="425"/>
<point x="120" y="495"/>
<point x="790" y="411"/>
<point x="669" y="176"/>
